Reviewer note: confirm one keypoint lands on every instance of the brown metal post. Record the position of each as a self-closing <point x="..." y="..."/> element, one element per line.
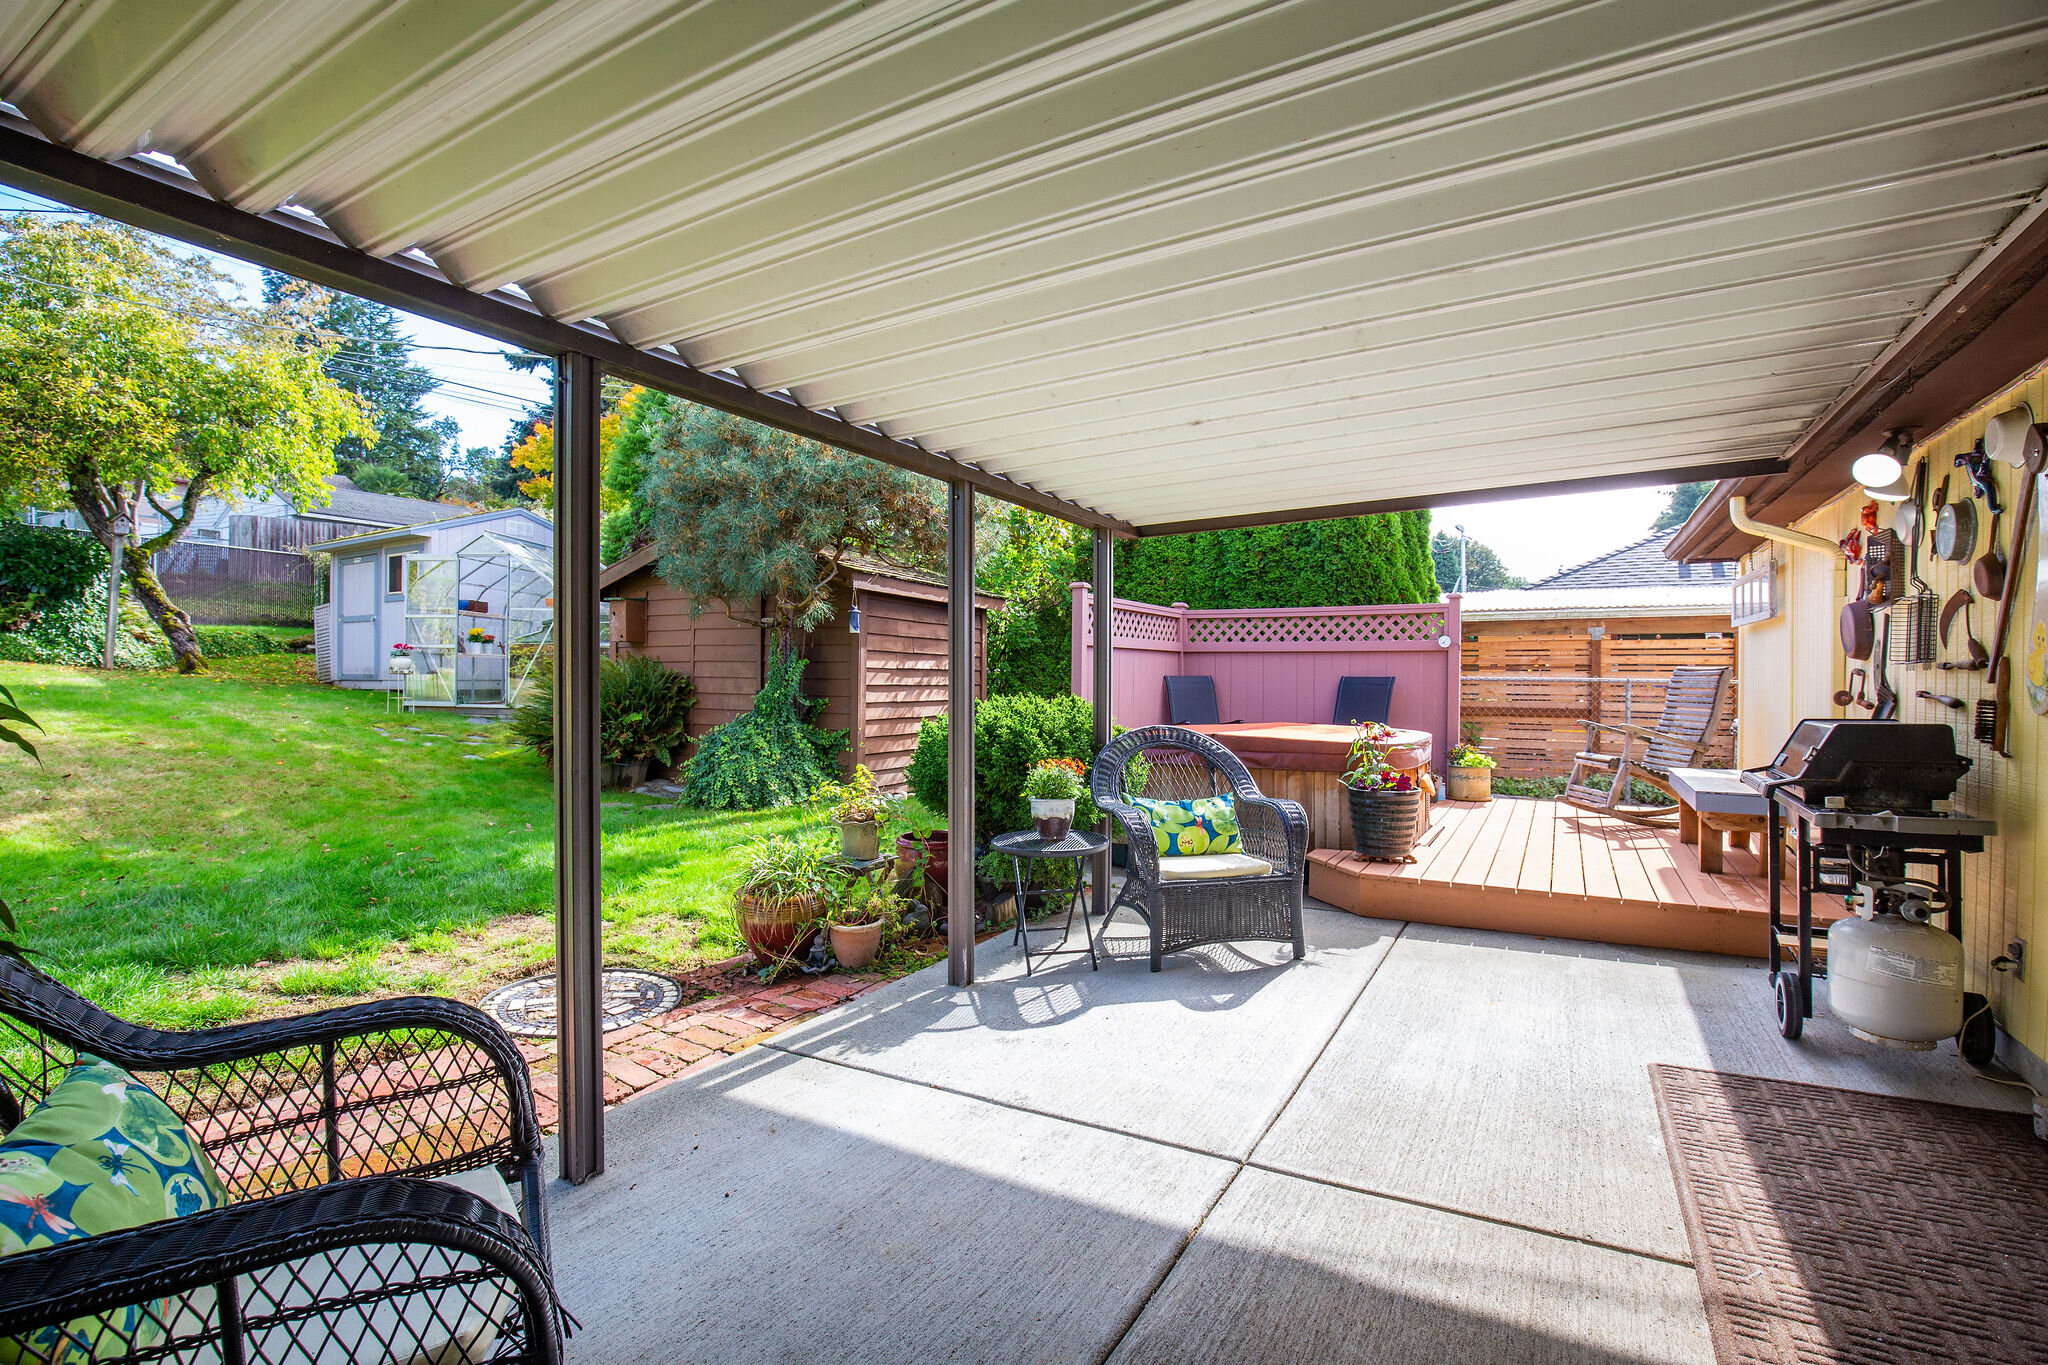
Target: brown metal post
<point x="960" y="734"/>
<point x="1105" y="679"/>
<point x="578" y="868"/>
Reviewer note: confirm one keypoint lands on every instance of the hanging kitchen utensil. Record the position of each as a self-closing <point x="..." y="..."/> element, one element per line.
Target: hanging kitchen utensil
<point x="1910" y="521"/>
<point x="1913" y="614"/>
<point x="1977" y="465"/>
<point x="1887" y="706"/>
<point x="2005" y="435"/>
<point x="1952" y="703"/>
<point x="1843" y="696"/>
<point x="1957" y="602"/>
<point x="1993" y="712"/>
<point x="1987" y="572"/>
<point x="1861" y="676"/>
<point x="1883" y="563"/>
<point x="1955" y="532"/>
<point x="1859" y="628"/>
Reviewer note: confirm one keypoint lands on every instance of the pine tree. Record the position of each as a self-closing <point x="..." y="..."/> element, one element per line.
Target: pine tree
<point x="374" y="362"/>
<point x="1679" y="502"/>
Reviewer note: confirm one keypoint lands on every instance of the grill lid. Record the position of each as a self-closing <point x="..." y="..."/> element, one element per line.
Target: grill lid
<point x="1873" y="764"/>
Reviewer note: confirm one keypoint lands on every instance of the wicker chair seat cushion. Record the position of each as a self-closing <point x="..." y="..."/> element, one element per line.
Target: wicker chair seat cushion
<point x="1184" y="828"/>
<point x="101" y="1153"/>
<point x="1204" y="867"/>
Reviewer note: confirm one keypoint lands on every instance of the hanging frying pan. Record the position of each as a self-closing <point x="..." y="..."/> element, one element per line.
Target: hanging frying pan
<point x="1955" y="531"/>
<point x="1859" y="629"/>
<point x="1987" y="574"/>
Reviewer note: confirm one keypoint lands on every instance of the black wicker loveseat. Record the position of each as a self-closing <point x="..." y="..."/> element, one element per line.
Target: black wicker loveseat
<point x="382" y="1164"/>
<point x="1182" y="764"/>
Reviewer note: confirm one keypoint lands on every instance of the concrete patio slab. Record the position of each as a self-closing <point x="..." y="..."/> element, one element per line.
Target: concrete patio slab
<point x="775" y="1209"/>
<point x="1286" y="1270"/>
<point x="1201" y="1054"/>
<point x="1507" y="1077"/>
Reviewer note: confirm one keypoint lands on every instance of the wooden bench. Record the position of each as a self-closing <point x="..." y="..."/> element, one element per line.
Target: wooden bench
<point x="1713" y="803"/>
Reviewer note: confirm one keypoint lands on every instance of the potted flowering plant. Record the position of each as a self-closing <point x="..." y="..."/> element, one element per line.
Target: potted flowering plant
<point x="1053" y="786"/>
<point x="400" y="663"/>
<point x="858" y="911"/>
<point x="1386" y="804"/>
<point x="1470" y="773"/>
<point x="859" y="810"/>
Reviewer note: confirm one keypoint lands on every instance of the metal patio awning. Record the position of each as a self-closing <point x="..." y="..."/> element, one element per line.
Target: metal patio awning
<point x="1171" y="263"/>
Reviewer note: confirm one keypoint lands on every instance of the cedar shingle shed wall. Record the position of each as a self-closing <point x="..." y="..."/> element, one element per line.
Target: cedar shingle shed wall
<point x="880" y="684"/>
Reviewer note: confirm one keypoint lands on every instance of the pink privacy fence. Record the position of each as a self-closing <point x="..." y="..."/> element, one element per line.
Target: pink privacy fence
<point x="1278" y="664"/>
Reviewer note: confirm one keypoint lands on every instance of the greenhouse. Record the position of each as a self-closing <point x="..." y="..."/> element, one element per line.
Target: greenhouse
<point x="478" y="621"/>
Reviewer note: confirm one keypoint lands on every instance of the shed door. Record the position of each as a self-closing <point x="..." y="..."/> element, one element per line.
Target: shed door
<point x="355" y="604"/>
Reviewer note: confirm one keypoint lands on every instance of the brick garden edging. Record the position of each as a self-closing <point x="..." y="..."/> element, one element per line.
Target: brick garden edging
<point x="740" y="1013"/>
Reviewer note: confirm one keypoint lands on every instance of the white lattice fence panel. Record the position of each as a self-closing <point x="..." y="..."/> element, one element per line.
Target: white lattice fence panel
<point x="1339" y="628"/>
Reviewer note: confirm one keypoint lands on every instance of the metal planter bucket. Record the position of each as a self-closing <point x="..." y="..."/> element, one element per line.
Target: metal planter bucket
<point x="1384" y="824"/>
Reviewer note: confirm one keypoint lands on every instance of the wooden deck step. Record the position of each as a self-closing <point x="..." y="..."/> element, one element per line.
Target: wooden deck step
<point x="1545" y="868"/>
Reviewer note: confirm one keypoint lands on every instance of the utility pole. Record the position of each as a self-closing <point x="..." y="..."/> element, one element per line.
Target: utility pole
<point x="1461" y="559"/>
<point x="117" y="530"/>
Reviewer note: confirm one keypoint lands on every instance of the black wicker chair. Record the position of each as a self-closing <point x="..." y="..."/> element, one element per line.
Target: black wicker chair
<point x="1182" y="765"/>
<point x="334" y="1134"/>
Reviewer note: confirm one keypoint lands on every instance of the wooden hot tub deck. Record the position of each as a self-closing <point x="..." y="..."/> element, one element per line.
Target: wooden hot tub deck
<point x="1542" y="867"/>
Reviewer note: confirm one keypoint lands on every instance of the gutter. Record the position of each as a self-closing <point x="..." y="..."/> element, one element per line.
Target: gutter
<point x="1738" y="514"/>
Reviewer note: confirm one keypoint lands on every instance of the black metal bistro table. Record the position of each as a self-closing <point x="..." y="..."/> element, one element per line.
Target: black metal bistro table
<point x="1024" y="846"/>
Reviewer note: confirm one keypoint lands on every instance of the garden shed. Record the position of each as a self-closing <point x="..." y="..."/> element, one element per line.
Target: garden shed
<point x="879" y="663"/>
<point x="366" y="611"/>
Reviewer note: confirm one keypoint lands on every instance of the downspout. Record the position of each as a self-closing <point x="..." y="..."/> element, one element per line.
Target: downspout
<point x="1784" y="535"/>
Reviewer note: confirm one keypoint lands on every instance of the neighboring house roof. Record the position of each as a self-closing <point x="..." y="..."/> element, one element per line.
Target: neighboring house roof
<point x="1701" y="597"/>
<point x="350" y="503"/>
<point x="1636" y="564"/>
<point x="421" y="529"/>
<point x="872" y="574"/>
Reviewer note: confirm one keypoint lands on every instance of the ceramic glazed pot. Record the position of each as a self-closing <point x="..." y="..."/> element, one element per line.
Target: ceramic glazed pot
<point x="856" y="945"/>
<point x="860" y="841"/>
<point x="1470" y="784"/>
<point x="1384" y="824"/>
<point x="911" y="853"/>
<point x="777" y="930"/>
<point x="1053" y="818"/>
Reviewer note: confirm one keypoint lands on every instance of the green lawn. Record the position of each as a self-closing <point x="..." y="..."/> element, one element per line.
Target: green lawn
<point x="196" y="850"/>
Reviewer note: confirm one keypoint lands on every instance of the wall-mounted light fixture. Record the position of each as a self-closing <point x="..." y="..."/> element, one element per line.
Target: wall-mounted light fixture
<point x="1883" y="471"/>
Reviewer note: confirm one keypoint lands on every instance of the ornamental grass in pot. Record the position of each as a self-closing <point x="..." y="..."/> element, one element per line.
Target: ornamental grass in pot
<point x="783" y="882"/>
<point x="1470" y="773"/>
<point x="1386" y="804"/>
<point x="1053" y="786"/>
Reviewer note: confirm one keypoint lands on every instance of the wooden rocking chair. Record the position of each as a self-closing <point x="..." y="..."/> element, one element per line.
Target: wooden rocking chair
<point x="1694" y="701"/>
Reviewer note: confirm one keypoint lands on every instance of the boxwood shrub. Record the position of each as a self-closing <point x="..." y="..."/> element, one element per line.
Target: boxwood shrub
<point x="1010" y="734"/>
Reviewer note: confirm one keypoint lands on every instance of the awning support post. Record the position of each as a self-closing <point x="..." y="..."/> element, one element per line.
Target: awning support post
<point x="1105" y="680"/>
<point x="579" y="960"/>
<point x="960" y="733"/>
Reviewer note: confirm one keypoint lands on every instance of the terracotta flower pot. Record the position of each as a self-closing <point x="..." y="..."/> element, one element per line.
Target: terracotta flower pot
<point x="911" y="853"/>
<point x="855" y="945"/>
<point x="1470" y="784"/>
<point x="777" y="930"/>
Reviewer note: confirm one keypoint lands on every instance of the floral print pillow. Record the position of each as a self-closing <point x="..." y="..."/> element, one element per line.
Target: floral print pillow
<point x="100" y="1154"/>
<point x="1185" y="829"/>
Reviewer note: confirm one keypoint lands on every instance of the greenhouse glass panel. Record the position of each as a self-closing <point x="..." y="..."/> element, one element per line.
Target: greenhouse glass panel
<point x="481" y="621"/>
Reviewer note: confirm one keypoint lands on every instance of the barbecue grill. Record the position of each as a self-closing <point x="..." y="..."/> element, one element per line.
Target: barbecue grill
<point x="1869" y="801"/>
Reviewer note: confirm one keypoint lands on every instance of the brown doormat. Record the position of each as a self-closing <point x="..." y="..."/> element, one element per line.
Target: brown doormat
<point x="1836" y="1226"/>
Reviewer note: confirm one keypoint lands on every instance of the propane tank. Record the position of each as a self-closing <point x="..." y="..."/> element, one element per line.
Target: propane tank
<point x="1895" y="982"/>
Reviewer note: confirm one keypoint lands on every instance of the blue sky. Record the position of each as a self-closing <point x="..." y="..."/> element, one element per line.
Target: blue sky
<point x="1533" y="536"/>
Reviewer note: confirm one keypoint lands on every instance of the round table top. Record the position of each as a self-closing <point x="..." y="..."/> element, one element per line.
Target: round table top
<point x="1025" y="843"/>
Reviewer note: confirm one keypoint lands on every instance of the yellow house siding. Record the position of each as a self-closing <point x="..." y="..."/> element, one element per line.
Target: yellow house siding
<point x="1792" y="665"/>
